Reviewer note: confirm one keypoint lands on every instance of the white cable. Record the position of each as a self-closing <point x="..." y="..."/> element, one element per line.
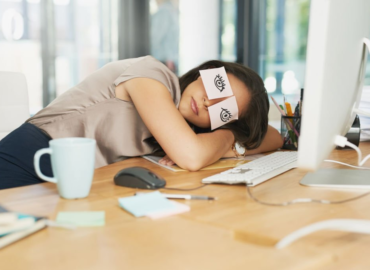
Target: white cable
<point x="342" y="142"/>
<point x="347" y="225"/>
<point x="364" y="160"/>
<point x="361" y="112"/>
<point x="359" y="154"/>
<point x="346" y="164"/>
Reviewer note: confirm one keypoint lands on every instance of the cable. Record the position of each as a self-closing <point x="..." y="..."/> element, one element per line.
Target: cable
<point x="358" y="111"/>
<point x="304" y="200"/>
<point x="340" y="141"/>
<point x="349" y="165"/>
<point x="186" y="189"/>
<point x="359" y="154"/>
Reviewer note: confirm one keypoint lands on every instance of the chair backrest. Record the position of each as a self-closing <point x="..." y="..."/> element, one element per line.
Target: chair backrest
<point x="14" y="107"/>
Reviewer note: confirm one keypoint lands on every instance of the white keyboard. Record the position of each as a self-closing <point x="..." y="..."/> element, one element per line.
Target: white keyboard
<point x="257" y="171"/>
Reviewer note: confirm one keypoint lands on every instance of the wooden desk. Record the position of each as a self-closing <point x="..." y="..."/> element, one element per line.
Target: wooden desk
<point x="233" y="232"/>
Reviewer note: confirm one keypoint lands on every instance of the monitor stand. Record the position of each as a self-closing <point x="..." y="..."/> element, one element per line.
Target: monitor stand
<point x="337" y="178"/>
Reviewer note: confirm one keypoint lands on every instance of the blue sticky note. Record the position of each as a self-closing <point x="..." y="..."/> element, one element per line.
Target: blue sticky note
<point x="146" y="203"/>
<point x="82" y="219"/>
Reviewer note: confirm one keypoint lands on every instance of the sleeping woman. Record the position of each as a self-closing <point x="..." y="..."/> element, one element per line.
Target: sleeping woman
<point x="137" y="106"/>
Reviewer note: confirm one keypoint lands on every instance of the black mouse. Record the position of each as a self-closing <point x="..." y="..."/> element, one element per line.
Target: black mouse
<point x="138" y="177"/>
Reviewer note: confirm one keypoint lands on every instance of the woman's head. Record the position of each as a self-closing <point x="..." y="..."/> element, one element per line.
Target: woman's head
<point x="250" y="93"/>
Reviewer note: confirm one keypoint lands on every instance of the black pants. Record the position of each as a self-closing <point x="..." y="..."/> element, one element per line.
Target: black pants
<point x="16" y="157"/>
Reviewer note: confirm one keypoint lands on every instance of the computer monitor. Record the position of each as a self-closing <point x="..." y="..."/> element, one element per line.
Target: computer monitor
<point x="335" y="71"/>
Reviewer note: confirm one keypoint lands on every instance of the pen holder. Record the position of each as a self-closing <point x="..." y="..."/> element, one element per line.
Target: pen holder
<point x="290" y="128"/>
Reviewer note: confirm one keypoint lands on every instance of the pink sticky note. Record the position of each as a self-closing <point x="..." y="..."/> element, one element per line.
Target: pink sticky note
<point x="223" y="112"/>
<point x="216" y="83"/>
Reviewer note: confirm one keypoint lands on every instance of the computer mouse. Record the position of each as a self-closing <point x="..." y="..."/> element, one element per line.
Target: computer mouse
<point x="138" y="177"/>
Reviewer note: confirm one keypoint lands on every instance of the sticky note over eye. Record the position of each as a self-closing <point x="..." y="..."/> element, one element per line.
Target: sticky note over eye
<point x="223" y="112"/>
<point x="216" y="83"/>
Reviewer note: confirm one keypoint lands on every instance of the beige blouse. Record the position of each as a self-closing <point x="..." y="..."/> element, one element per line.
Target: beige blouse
<point x="91" y="109"/>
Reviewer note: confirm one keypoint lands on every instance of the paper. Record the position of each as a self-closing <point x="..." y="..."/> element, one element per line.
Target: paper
<point x="216" y="83"/>
<point x="8" y="218"/>
<point x="18" y="225"/>
<point x="179" y="208"/>
<point x="220" y="164"/>
<point x="82" y="219"/>
<point x="156" y="159"/>
<point x="223" y="112"/>
<point x="145" y="204"/>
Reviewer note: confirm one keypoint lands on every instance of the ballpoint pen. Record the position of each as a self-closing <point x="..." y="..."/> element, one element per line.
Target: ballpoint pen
<point x="184" y="196"/>
<point x="301" y="103"/>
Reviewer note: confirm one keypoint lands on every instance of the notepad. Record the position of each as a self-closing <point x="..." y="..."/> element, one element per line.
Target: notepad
<point x="16" y="226"/>
<point x="145" y="204"/>
<point x="82" y="219"/>
<point x="179" y="208"/>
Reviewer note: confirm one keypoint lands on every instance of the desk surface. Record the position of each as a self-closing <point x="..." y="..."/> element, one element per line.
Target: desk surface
<point x="233" y="232"/>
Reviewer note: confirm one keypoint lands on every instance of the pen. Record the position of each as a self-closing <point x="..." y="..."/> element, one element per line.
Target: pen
<point x="296" y="110"/>
<point x="188" y="197"/>
<point x="301" y="102"/>
<point x="277" y="106"/>
<point x="184" y="196"/>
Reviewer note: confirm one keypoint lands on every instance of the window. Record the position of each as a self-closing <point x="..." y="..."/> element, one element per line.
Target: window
<point x="20" y="44"/>
<point x="78" y="37"/>
<point x="228" y="30"/>
<point x="286" y="40"/>
<point x="186" y="33"/>
<point x="86" y="39"/>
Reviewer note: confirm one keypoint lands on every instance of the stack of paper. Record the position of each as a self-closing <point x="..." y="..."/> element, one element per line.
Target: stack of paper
<point x="153" y="205"/>
<point x="365" y="120"/>
<point x="15" y="226"/>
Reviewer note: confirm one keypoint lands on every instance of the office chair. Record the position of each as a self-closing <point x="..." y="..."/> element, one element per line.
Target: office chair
<point x="14" y="107"/>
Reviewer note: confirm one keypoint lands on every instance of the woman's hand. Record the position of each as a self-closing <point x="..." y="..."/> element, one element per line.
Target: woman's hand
<point x="166" y="161"/>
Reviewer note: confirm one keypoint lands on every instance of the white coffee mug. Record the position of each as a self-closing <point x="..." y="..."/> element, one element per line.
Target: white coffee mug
<point x="72" y="162"/>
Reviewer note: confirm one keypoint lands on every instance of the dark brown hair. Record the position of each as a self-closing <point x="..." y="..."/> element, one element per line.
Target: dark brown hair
<point x="251" y="127"/>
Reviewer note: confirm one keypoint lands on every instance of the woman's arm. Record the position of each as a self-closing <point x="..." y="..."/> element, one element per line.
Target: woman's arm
<point x="155" y="106"/>
<point x="271" y="142"/>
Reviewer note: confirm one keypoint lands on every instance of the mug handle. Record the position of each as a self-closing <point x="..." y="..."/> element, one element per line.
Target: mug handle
<point x="36" y="163"/>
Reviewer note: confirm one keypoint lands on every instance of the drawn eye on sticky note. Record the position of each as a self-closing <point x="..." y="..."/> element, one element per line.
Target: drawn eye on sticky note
<point x="223" y="112"/>
<point x="225" y="115"/>
<point x="216" y="83"/>
<point x="219" y="82"/>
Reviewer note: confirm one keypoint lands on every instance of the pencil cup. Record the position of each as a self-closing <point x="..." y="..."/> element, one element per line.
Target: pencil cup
<point x="290" y="128"/>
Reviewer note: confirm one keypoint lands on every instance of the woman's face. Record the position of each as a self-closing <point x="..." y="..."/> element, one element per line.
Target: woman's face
<point x="194" y="102"/>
